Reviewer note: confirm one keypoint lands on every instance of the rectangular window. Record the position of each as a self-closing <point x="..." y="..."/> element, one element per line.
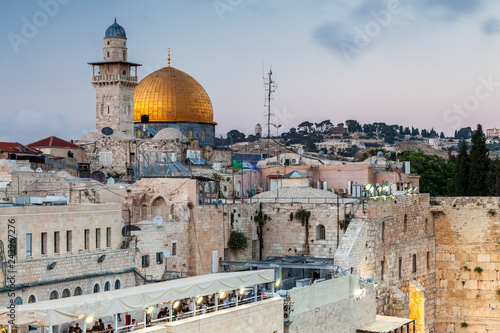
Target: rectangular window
<point x="428" y="260"/>
<point x="414" y="263"/>
<point x="400" y="273"/>
<point x="174" y="249"/>
<point x="44" y="243"/>
<point x="56" y="242"/>
<point x="383" y="231"/>
<point x="29" y="250"/>
<point x="98" y="238"/>
<point x="105" y="158"/>
<point x="145" y="260"/>
<point x="159" y="257"/>
<point x="108" y="237"/>
<point x="382" y="270"/>
<point x="69" y="241"/>
<point x="86" y="239"/>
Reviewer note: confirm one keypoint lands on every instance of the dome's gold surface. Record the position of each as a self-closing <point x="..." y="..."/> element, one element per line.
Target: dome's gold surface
<point x="170" y="95"/>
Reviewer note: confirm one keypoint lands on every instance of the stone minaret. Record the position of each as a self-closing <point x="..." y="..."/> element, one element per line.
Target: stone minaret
<point x="115" y="79"/>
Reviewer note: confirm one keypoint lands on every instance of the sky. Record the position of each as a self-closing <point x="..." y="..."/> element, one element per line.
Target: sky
<point x="421" y="63"/>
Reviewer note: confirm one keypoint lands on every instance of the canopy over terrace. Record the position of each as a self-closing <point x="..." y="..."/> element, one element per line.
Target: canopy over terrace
<point x="386" y="324"/>
<point x="55" y="312"/>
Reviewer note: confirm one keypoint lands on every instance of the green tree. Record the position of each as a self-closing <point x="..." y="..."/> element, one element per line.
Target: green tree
<point x="493" y="175"/>
<point x="479" y="164"/>
<point x="436" y="174"/>
<point x="462" y="171"/>
<point x="236" y="135"/>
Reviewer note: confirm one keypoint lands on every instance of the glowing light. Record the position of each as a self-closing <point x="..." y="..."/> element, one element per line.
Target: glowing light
<point x="149" y="310"/>
<point x="278" y="283"/>
<point x="199" y="300"/>
<point x="242" y="290"/>
<point x="222" y="294"/>
<point x="368" y="187"/>
<point x="176" y="304"/>
<point x="89" y="319"/>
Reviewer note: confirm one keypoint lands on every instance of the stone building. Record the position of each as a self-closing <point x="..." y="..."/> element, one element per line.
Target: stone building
<point x="63" y="251"/>
<point x="114" y="79"/>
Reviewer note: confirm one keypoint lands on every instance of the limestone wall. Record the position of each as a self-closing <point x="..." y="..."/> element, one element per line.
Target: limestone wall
<point x="330" y="306"/>
<point x="378" y="241"/>
<point x="468" y="264"/>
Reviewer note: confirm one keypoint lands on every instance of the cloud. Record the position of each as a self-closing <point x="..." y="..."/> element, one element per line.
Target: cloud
<point x="332" y="35"/>
<point x="491" y="26"/>
<point x="455" y="7"/>
<point x="409" y="13"/>
<point x="26" y="126"/>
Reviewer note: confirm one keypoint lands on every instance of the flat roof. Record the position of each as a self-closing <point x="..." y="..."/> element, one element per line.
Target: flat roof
<point x="384" y="324"/>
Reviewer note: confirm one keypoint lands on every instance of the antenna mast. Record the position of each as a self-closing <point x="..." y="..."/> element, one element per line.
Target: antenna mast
<point x="270" y="87"/>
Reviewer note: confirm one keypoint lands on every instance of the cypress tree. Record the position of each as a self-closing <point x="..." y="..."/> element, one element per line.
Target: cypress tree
<point x="479" y="164"/>
<point x="462" y="167"/>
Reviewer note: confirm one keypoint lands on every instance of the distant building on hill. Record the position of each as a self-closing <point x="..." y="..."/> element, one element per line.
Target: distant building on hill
<point x="493" y="132"/>
<point x="258" y="130"/>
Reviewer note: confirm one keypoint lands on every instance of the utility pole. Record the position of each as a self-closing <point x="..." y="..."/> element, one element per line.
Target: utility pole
<point x="270" y="89"/>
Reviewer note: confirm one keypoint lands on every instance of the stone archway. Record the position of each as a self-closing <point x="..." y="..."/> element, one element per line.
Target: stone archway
<point x="159" y="207"/>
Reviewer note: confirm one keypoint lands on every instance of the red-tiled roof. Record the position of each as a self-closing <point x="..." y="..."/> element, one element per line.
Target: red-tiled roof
<point x="53" y="141"/>
<point x="16" y="147"/>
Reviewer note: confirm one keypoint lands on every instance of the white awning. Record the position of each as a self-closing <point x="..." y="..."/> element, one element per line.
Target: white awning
<point x="65" y="310"/>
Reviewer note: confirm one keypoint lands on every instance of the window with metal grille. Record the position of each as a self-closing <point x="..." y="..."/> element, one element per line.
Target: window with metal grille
<point x="145" y="260"/>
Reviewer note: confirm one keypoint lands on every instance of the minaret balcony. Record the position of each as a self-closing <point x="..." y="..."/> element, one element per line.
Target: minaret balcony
<point x="114" y="78"/>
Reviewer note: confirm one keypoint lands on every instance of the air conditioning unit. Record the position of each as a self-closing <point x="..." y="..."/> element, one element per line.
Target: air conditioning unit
<point x="342" y="191"/>
<point x="295" y="161"/>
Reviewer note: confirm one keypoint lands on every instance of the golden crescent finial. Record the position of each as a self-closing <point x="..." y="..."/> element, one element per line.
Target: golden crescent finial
<point x="168" y="59"/>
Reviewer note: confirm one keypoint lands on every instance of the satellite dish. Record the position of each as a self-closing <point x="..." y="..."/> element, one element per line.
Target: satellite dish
<point x="38" y="170"/>
<point x="301" y="151"/>
<point x="107" y="131"/>
<point x="98" y="175"/>
<point x="111" y="180"/>
<point x="321" y="152"/>
<point x="167" y="254"/>
<point x="380" y="154"/>
<point x="158" y="220"/>
<point x="219" y="204"/>
<point x="177" y="140"/>
<point x="388" y="154"/>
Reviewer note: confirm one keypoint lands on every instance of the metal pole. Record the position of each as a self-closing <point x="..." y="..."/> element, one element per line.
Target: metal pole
<point x="194" y="306"/>
<point x="216" y="302"/>
<point x="170" y="311"/>
<point x="116" y="322"/>
<point x="10" y="329"/>
<point x="84" y="325"/>
<point x="255" y="293"/>
<point x="338" y="222"/>
<point x="144" y="316"/>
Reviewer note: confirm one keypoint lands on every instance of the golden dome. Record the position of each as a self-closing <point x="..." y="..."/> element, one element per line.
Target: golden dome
<point x="172" y="96"/>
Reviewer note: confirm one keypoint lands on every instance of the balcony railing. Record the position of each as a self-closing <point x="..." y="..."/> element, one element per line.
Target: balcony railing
<point x="113" y="78"/>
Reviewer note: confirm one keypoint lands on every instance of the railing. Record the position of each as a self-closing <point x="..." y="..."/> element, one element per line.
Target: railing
<point x="114" y="77"/>
<point x="190" y="314"/>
